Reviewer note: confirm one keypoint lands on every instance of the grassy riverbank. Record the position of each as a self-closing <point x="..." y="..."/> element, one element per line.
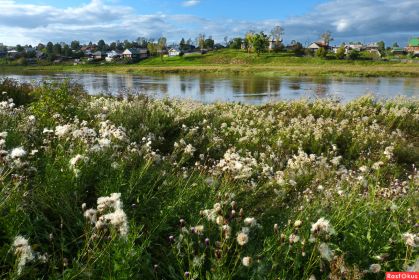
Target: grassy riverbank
<point x="135" y="188"/>
<point x="229" y="61"/>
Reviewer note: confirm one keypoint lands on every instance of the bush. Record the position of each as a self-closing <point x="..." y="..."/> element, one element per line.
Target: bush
<point x="21" y="93"/>
<point x="57" y="98"/>
<point x="341" y="52"/>
<point x="321" y="52"/>
<point x="354" y="54"/>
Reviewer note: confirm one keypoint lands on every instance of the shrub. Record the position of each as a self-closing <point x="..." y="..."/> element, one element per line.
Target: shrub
<point x="321" y="52"/>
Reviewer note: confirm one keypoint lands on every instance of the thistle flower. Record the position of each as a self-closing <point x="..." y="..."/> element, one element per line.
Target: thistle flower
<point x="325" y="252"/>
<point x="220" y="220"/>
<point x="247" y="261"/>
<point x="375" y="268"/>
<point x="227" y="231"/>
<point x="91" y="215"/>
<point x="23" y="251"/>
<point x="410" y="239"/>
<point x="17" y="153"/>
<point x="298" y="223"/>
<point x="251" y="222"/>
<point x="322" y="227"/>
<point x="242" y="238"/>
<point x="118" y="219"/>
<point x="294" y="238"/>
<point x="109" y="202"/>
<point x="199" y="229"/>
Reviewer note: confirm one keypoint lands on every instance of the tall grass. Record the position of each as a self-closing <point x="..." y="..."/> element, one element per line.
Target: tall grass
<point x="219" y="191"/>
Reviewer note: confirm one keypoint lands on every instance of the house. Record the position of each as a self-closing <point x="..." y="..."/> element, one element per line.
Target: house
<point x="135" y="53"/>
<point x="413" y="45"/>
<point x="110" y="56"/>
<point x="40" y="55"/>
<point x="13" y="54"/>
<point x="372" y="46"/>
<point x="99" y="55"/>
<point x="174" y="52"/>
<point x="317" y="45"/>
<point x="356" y="47"/>
<point x="29" y="49"/>
<point x="398" y="51"/>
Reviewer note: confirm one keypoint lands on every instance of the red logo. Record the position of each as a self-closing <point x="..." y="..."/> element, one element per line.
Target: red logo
<point x="402" y="275"/>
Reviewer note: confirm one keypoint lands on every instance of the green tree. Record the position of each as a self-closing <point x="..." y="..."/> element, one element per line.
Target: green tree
<point x="182" y="44"/>
<point x="236" y="43"/>
<point x="151" y="47"/>
<point x="67" y="51"/>
<point x="327" y="37"/>
<point x="277" y="33"/>
<point x="341" y="52"/>
<point x="57" y="49"/>
<point x="75" y="45"/>
<point x="161" y="46"/>
<point x="101" y="45"/>
<point x="127" y="44"/>
<point x="40" y="47"/>
<point x="201" y="41"/>
<point x="321" y="52"/>
<point x="260" y="42"/>
<point x="297" y="48"/>
<point x="19" y="48"/>
<point x="395" y="45"/>
<point x="248" y="41"/>
<point x="209" y="43"/>
<point x="354" y="54"/>
<point x="381" y="46"/>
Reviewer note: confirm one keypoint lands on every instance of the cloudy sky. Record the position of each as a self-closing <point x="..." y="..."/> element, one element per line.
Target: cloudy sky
<point x="34" y="21"/>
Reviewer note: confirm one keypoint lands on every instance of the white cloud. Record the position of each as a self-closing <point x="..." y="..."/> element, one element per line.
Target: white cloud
<point x="364" y="20"/>
<point x="190" y="3"/>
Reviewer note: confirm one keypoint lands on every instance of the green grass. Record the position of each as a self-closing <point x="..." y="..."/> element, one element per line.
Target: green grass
<point x="234" y="61"/>
<point x="190" y="174"/>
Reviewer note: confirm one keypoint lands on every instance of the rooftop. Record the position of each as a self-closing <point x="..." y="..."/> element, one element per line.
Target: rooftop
<point x="414" y="42"/>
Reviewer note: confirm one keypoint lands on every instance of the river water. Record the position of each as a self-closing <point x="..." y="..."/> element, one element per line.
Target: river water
<point x="250" y="89"/>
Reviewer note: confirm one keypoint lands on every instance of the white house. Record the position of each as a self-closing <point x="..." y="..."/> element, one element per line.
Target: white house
<point x="110" y="56"/>
<point x="317" y="45"/>
<point x="135" y="53"/>
<point x="174" y="52"/>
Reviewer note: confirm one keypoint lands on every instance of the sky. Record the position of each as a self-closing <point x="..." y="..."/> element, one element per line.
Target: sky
<point x="34" y="21"/>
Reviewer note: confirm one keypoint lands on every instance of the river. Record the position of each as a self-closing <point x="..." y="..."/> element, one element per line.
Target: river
<point x="251" y="89"/>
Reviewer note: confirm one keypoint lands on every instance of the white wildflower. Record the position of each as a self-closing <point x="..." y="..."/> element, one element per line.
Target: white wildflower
<point x="298" y="223"/>
<point x="251" y="222"/>
<point x="90" y="215"/>
<point x="18" y="153"/>
<point x="322" y="226"/>
<point x="109" y="202"/>
<point x="325" y="252"/>
<point x="294" y="238"/>
<point x="410" y="239"/>
<point x="242" y="238"/>
<point x="23" y="251"/>
<point x="247" y="261"/>
<point x="375" y="268"/>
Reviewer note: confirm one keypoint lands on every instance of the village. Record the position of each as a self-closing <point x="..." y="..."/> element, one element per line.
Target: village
<point x="135" y="51"/>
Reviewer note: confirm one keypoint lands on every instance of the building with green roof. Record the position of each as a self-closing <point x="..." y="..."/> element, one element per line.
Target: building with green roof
<point x="413" y="45"/>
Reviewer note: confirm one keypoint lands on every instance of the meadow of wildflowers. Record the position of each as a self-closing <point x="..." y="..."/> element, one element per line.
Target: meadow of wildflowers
<point x="136" y="188"/>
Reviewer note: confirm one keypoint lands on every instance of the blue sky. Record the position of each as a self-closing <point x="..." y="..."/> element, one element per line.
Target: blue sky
<point x="236" y="9"/>
<point x="34" y="21"/>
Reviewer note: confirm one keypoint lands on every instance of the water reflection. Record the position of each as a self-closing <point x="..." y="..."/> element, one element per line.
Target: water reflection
<point x="248" y="89"/>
